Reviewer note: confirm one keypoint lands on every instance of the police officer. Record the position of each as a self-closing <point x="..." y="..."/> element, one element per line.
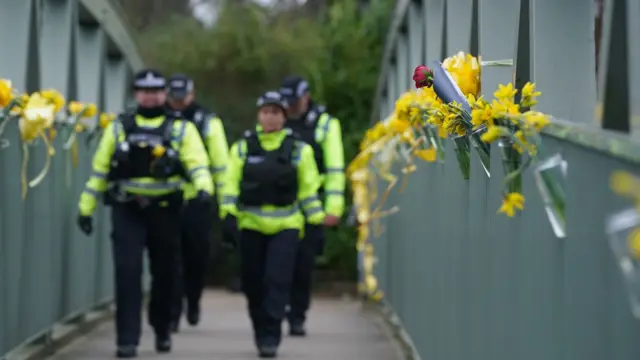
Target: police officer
<point x="197" y="219"/>
<point x="270" y="187"/>
<point x="322" y="131"/>
<point x="139" y="167"/>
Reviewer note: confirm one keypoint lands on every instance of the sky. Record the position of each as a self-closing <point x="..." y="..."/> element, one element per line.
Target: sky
<point x="205" y="11"/>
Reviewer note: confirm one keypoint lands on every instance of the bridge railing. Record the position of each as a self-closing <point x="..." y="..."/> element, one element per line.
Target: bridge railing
<point x="469" y="283"/>
<point x="51" y="275"/>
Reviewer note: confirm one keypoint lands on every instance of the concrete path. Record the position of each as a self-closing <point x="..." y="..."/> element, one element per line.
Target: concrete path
<point x="338" y="330"/>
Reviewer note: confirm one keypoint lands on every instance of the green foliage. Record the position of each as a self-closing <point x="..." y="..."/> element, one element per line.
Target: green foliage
<point x="251" y="48"/>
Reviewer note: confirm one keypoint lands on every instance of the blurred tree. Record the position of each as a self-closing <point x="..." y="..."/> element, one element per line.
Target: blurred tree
<point x="337" y="46"/>
<point x="143" y="13"/>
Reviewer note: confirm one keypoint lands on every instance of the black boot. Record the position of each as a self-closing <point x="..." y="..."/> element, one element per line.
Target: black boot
<point x="267" y="351"/>
<point x="163" y="343"/>
<point x="127" y="352"/>
<point x="175" y="326"/>
<point x="297" y="329"/>
<point x="193" y="315"/>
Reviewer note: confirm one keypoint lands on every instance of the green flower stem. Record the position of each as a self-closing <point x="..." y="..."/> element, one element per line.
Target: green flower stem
<point x="462" y="155"/>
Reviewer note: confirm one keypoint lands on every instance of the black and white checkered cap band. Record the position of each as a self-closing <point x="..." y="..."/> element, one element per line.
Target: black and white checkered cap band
<point x="150" y="82"/>
<point x="301" y="89"/>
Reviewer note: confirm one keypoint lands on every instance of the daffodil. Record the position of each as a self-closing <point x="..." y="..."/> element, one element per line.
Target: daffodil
<point x="634" y="244"/>
<point x="404" y="104"/>
<point x="399" y="125"/>
<point x="530" y="148"/>
<point x="55" y="97"/>
<point x="505" y="92"/>
<point x="505" y="108"/>
<point x="79" y="128"/>
<point x="90" y="111"/>
<point x="428" y="155"/>
<point x="38" y="115"/>
<point x="158" y="151"/>
<point x="625" y="184"/>
<point x="536" y="119"/>
<point x="510" y="203"/>
<point x="6" y="92"/>
<point x="493" y="133"/>
<point x="465" y="71"/>
<point x="529" y="95"/>
<point x="75" y="107"/>
<point x="105" y="119"/>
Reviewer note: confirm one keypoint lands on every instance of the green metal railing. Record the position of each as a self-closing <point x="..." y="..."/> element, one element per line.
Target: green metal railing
<point x="51" y="275"/>
<point x="467" y="283"/>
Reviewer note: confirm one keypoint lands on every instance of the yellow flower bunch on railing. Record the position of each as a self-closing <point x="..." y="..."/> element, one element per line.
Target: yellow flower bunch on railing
<point x="516" y="128"/>
<point x="447" y="105"/>
<point x="39" y="117"/>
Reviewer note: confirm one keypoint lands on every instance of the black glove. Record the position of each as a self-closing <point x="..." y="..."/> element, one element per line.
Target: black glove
<point x="85" y="223"/>
<point x="230" y="232"/>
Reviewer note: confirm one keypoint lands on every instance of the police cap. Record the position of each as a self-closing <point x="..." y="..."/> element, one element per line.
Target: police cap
<point x="293" y="88"/>
<point x="272" y="98"/>
<point x="180" y="86"/>
<point x="149" y="80"/>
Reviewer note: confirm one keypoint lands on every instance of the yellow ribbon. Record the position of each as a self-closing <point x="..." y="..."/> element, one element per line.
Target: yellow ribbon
<point x="26" y="184"/>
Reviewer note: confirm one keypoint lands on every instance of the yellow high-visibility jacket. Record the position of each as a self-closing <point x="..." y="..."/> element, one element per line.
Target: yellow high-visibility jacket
<point x="217" y="147"/>
<point x="269" y="219"/>
<point x="329" y="135"/>
<point x="186" y="141"/>
<point x="327" y="138"/>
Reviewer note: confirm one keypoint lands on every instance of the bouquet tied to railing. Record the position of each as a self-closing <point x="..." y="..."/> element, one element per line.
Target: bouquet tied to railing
<point x="40" y="115"/>
<point x="453" y="81"/>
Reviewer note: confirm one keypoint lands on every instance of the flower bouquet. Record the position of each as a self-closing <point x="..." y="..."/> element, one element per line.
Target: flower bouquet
<point x="455" y="80"/>
<point x="36" y="115"/>
<point x="516" y="128"/>
<point x="452" y="115"/>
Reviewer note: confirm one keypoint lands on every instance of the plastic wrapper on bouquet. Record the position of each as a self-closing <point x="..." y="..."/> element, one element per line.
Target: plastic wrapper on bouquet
<point x="624" y="240"/>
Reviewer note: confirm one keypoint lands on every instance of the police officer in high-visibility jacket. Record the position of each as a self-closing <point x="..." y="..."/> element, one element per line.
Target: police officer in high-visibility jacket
<point x="270" y="188"/>
<point x="197" y="218"/>
<point x="139" y="167"/>
<point x="323" y="132"/>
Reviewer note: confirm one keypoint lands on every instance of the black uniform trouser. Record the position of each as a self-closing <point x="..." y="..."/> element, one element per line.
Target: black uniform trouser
<point x="191" y="265"/>
<point x="134" y="228"/>
<point x="309" y="248"/>
<point x="267" y="263"/>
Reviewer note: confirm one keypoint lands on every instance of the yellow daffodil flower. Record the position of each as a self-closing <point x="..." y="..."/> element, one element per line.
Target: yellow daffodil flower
<point x="493" y="133"/>
<point x="55" y="97"/>
<point x="105" y="119"/>
<point x="158" y="151"/>
<point x="90" y="111"/>
<point x="536" y="119"/>
<point x="428" y="155"/>
<point x="79" y="128"/>
<point x="38" y="115"/>
<point x="505" y="92"/>
<point x="530" y="148"/>
<point x="634" y="244"/>
<point x="6" y="92"/>
<point x="510" y="203"/>
<point x="529" y="95"/>
<point x="75" y="107"/>
<point x="465" y="71"/>
<point x="625" y="184"/>
<point x="399" y="125"/>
